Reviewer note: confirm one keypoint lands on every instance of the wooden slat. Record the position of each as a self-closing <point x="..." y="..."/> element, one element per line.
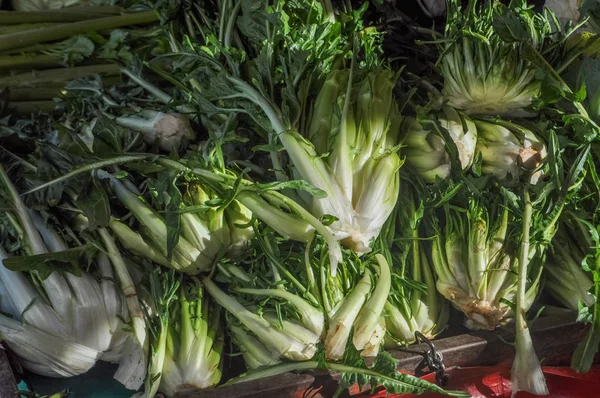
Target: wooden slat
<point x="555" y="339"/>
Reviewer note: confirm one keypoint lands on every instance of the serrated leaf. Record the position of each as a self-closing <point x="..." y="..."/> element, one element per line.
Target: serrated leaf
<point x="299" y="185"/>
<point x="70" y="142"/>
<point x="581" y="94"/>
<point x="116" y="47"/>
<point x="109" y="138"/>
<point x="93" y="201"/>
<point x="401" y="383"/>
<point x="384" y="373"/>
<point x="69" y="260"/>
<point x="169" y="197"/>
<point x="352" y="358"/>
<point x="72" y="50"/>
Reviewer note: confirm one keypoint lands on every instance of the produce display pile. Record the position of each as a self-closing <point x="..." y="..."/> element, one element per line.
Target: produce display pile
<point x="303" y="183"/>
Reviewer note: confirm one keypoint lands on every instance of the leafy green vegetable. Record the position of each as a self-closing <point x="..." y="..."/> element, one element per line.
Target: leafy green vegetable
<point x="73" y="50"/>
<point x="572" y="279"/>
<point x="427" y="151"/>
<point x="45" y="264"/>
<point x="274" y="95"/>
<point x="382" y="373"/>
<point x="51" y="308"/>
<point x="242" y="144"/>
<point x="482" y="60"/>
<point x="414" y="304"/>
<point x="506" y="148"/>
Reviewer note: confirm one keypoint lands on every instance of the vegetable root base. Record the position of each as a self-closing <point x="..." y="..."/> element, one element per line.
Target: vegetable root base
<point x="481" y="314"/>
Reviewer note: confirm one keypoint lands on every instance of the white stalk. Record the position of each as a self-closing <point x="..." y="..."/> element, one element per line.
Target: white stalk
<point x="367" y="330"/>
<point x="286" y="346"/>
<point x="311" y="317"/>
<point x="340" y="324"/>
<point x="526" y="373"/>
<point x="45" y="354"/>
<point x="255" y="353"/>
<point x="132" y="367"/>
<point x="89" y="320"/>
<point x="23" y="296"/>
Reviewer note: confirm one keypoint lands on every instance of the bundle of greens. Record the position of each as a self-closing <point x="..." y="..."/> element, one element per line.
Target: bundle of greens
<point x="509" y="150"/>
<point x="195" y="249"/>
<point x="76" y="315"/>
<point x="572" y="277"/>
<point x="64" y="205"/>
<point x="296" y="317"/>
<point x="241" y="144"/>
<point x="354" y="128"/>
<point x="490" y="249"/>
<point x="187" y="338"/>
<point x="566" y="278"/>
<point x="474" y="260"/>
<point x="427" y="151"/>
<point x="414" y="304"/>
<point x="343" y="143"/>
<point x="485" y="55"/>
<point x="281" y="324"/>
<point x="572" y="269"/>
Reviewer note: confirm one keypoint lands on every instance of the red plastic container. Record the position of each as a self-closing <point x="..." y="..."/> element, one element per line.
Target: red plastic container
<point x="494" y="382"/>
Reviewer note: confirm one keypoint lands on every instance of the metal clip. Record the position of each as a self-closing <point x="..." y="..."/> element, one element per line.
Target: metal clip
<point x="432" y="360"/>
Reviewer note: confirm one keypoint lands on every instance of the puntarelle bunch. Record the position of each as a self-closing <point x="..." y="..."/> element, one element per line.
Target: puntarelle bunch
<point x="272" y="176"/>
